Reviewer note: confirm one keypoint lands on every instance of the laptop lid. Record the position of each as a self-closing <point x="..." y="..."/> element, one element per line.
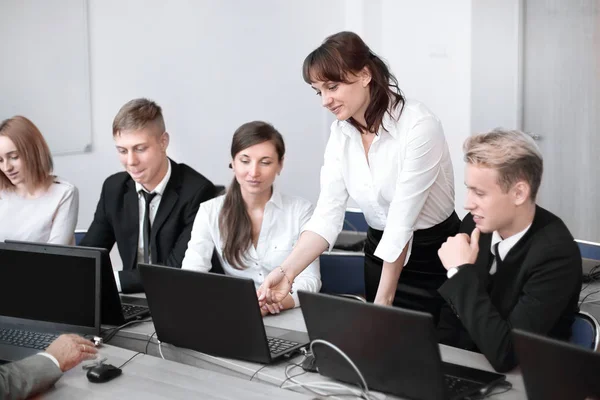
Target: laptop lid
<point x="395" y="349"/>
<point x="554" y="370"/>
<point x="111" y="312"/>
<point x="211" y="313"/>
<point x="50" y="289"/>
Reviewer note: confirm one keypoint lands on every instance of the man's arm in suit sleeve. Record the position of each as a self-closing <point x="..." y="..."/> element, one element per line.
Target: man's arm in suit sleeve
<point x="207" y="192"/>
<point x="544" y="297"/>
<point x="21" y="379"/>
<point x="100" y="233"/>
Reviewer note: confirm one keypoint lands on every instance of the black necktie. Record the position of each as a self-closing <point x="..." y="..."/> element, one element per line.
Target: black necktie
<point x="495" y="257"/>
<point x="147" y="226"/>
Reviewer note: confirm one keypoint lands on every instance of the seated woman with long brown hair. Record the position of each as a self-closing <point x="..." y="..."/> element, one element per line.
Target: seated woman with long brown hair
<point x="253" y="227"/>
<point x="35" y="205"/>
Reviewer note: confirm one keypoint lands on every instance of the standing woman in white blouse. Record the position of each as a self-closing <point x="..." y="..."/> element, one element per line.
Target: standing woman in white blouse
<point x="390" y="155"/>
<point x="35" y="205"/>
<point x="254" y="226"/>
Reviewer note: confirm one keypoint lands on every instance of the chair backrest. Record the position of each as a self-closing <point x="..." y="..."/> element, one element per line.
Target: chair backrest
<point x="585" y="331"/>
<point x="79" y="234"/>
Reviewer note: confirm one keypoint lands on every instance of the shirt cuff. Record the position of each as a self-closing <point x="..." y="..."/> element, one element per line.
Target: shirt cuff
<point x="50" y="356"/>
<point x="117" y="281"/>
<point x="328" y="233"/>
<point x="389" y="252"/>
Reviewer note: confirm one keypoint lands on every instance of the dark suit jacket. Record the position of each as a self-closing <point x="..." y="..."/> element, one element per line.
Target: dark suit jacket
<point x="536" y="288"/>
<point x="21" y="379"/>
<point x="117" y="220"/>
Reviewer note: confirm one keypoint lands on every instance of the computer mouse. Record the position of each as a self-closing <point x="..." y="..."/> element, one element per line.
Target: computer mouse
<point x="103" y="373"/>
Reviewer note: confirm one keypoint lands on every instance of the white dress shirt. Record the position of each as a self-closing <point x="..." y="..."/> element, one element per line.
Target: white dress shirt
<point x="154" y="203"/>
<point x="504" y="246"/>
<point x="49" y="218"/>
<point x="283" y="219"/>
<point x="406" y="185"/>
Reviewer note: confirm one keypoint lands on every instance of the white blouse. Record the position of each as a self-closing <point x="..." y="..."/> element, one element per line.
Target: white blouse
<point x="283" y="219"/>
<point x="49" y="218"/>
<point x="406" y="185"/>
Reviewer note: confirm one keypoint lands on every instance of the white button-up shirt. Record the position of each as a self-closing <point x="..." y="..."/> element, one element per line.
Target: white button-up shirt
<point x="283" y="219"/>
<point x="406" y="185"/>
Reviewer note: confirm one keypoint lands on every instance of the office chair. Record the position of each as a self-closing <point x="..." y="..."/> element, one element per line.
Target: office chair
<point x="585" y="331"/>
<point x="79" y="234"/>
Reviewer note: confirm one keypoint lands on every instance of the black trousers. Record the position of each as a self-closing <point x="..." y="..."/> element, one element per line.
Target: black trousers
<point x="421" y="276"/>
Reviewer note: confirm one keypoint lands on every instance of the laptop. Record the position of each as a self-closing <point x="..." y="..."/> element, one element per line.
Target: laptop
<point x="554" y="370"/>
<point x="395" y="349"/>
<point x="45" y="292"/>
<point x="214" y="314"/>
<point x="116" y="310"/>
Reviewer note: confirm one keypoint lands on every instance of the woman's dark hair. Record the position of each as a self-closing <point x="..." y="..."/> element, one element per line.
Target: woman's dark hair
<point x="234" y="222"/>
<point x="345" y="53"/>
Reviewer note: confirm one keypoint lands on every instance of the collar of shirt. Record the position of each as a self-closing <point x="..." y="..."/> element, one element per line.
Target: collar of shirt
<point x="506" y="244"/>
<point x="388" y="122"/>
<point x="160" y="188"/>
<point x="276" y="198"/>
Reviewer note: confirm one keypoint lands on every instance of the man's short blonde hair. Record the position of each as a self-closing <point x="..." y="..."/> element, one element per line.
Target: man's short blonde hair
<point x="138" y="114"/>
<point x="512" y="153"/>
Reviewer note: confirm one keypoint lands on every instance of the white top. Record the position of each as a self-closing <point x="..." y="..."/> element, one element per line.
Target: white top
<point x="408" y="180"/>
<point x="49" y="218"/>
<point x="504" y="246"/>
<point x="283" y="219"/>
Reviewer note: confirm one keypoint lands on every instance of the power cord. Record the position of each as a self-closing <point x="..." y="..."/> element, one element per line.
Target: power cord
<point x="257" y="371"/>
<point x="138" y="353"/>
<point x="116" y="329"/>
<point x="490" y="391"/>
<point x="313" y="386"/>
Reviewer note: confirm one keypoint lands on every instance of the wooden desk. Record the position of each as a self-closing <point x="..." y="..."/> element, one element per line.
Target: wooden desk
<point x="147" y="377"/>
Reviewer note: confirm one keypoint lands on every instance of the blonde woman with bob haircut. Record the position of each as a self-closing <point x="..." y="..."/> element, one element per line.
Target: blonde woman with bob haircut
<point x="513" y="264"/>
<point x="35" y="205"/>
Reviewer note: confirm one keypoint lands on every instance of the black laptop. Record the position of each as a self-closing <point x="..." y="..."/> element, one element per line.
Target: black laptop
<point x="116" y="310"/>
<point x="395" y="349"/>
<point x="554" y="370"/>
<point x="214" y="314"/>
<point x="44" y="292"/>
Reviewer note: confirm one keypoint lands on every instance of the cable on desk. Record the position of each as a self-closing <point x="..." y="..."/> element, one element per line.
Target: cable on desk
<point x="160" y="350"/>
<point x="312" y="386"/>
<point x="257" y="371"/>
<point x="118" y="328"/>
<point x="138" y="353"/>
<point x="491" y="391"/>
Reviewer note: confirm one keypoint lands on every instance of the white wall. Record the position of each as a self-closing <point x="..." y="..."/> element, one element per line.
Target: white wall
<point x="212" y="66"/>
<point x="428" y="46"/>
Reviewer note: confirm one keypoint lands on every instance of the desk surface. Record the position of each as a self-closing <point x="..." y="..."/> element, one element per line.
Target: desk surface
<point x="147" y="377"/>
<point x="135" y="338"/>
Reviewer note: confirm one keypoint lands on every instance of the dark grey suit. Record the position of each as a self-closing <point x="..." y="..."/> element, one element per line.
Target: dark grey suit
<point x="21" y="379"/>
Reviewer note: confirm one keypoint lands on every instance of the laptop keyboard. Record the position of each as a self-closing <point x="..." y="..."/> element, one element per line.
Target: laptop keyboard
<point x="277" y="345"/>
<point x="22" y="338"/>
<point x="130" y="310"/>
<point x="456" y="386"/>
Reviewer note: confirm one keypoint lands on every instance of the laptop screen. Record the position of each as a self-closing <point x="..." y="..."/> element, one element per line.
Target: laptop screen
<point x="51" y="285"/>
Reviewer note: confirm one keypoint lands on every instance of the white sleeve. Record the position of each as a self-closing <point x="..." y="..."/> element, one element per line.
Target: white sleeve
<point x="200" y="247"/>
<point x="418" y="172"/>
<point x="328" y="219"/>
<point x="65" y="218"/>
<point x="310" y="278"/>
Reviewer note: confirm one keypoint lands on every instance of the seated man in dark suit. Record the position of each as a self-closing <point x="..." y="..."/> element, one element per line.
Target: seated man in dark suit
<point x="148" y="210"/>
<point x="515" y="264"/>
<point x="35" y="374"/>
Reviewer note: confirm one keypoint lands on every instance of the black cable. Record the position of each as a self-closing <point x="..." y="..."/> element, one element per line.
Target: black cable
<point x="116" y="329"/>
<point x="491" y="391"/>
<point x="292" y="376"/>
<point x="139" y="352"/>
<point x="586" y="296"/>
<point x="257" y="371"/>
